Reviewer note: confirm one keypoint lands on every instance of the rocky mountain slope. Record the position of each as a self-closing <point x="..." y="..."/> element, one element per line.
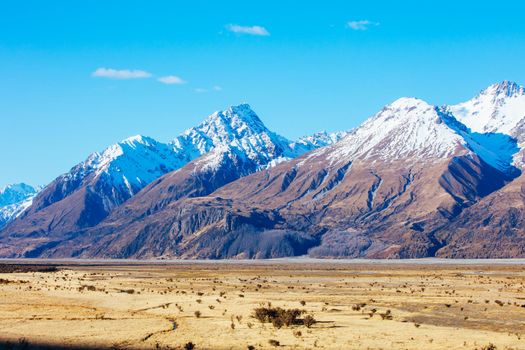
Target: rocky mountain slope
<point x="235" y="143"/>
<point x="386" y="190"/>
<point x="415" y="180"/>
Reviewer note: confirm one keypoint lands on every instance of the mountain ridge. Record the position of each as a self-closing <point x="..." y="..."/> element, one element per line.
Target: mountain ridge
<point x="394" y="187"/>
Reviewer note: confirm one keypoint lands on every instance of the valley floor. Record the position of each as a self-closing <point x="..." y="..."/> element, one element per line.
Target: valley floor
<point x="141" y="305"/>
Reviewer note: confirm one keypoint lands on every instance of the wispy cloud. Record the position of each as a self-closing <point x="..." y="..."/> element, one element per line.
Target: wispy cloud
<point x="215" y="88"/>
<point x="361" y="24"/>
<point x="120" y="73"/>
<point x="250" y="30"/>
<point x="171" y="80"/>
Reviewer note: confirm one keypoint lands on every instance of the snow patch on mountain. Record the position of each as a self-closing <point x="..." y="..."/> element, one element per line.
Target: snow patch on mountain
<point x="496" y="149"/>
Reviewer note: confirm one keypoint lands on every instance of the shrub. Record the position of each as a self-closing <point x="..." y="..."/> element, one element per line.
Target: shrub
<point x="197" y="314"/>
<point x="189" y="346"/>
<point x="309" y="321"/>
<point x="280" y="317"/>
<point x="274" y="342"/>
<point x="387" y="315"/>
<point x="489" y="347"/>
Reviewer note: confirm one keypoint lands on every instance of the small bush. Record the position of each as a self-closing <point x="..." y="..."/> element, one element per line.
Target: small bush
<point x="274" y="342"/>
<point x="489" y="347"/>
<point x="197" y="314"/>
<point x="309" y="321"/>
<point x="387" y="315"/>
<point x="357" y="307"/>
<point x="189" y="346"/>
<point x="280" y="317"/>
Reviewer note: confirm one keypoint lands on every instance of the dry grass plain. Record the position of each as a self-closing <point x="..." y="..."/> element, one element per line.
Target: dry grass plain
<point x="167" y="306"/>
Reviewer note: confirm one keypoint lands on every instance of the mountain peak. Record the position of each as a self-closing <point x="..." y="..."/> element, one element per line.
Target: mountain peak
<point x="408" y="103"/>
<point x="237" y="126"/>
<point x="500" y="108"/>
<point x="18" y="187"/>
<point x="15" y="193"/>
<point x="406" y="128"/>
<point x="505" y="88"/>
<point x="138" y="139"/>
<point x="239" y="117"/>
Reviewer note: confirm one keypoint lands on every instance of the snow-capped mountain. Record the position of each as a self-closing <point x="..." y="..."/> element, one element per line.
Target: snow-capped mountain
<point x="14" y="199"/>
<point x="498" y="109"/>
<point x="407" y="128"/>
<point x="237" y="127"/>
<point x="379" y="192"/>
<point x="233" y="139"/>
<point x="400" y="185"/>
<point x="317" y="140"/>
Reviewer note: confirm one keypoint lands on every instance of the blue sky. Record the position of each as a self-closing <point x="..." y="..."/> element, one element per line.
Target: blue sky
<point x="304" y="67"/>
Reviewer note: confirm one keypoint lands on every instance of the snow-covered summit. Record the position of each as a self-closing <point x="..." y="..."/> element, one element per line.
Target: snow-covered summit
<point x="130" y="164"/>
<point x="317" y="140"/>
<point x="14" y="199"/>
<point x="407" y="128"/>
<point x="124" y="168"/>
<point x="14" y="193"/>
<point x="237" y="127"/>
<point x="499" y="109"/>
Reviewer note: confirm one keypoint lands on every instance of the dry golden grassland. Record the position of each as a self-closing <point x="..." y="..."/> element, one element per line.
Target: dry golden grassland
<point x="213" y="306"/>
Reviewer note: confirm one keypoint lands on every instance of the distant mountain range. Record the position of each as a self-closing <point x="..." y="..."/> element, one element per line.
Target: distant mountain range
<point x="415" y="180"/>
<point x="14" y="199"/>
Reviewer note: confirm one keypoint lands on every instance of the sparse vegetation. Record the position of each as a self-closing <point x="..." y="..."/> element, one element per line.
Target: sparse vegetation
<point x="309" y="321"/>
<point x="335" y="298"/>
<point x="274" y="342"/>
<point x="280" y="317"/>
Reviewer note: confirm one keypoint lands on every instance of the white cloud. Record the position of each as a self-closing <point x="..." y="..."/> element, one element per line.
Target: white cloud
<point x="171" y="80"/>
<point x="361" y="24"/>
<point x="120" y="73"/>
<point x="251" y="30"/>
<point x="200" y="90"/>
<point x="217" y="88"/>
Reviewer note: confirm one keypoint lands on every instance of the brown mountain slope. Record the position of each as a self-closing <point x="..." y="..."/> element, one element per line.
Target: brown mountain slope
<point x="197" y="178"/>
<point x="494" y="227"/>
<point x="358" y="211"/>
<point x="381" y="192"/>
